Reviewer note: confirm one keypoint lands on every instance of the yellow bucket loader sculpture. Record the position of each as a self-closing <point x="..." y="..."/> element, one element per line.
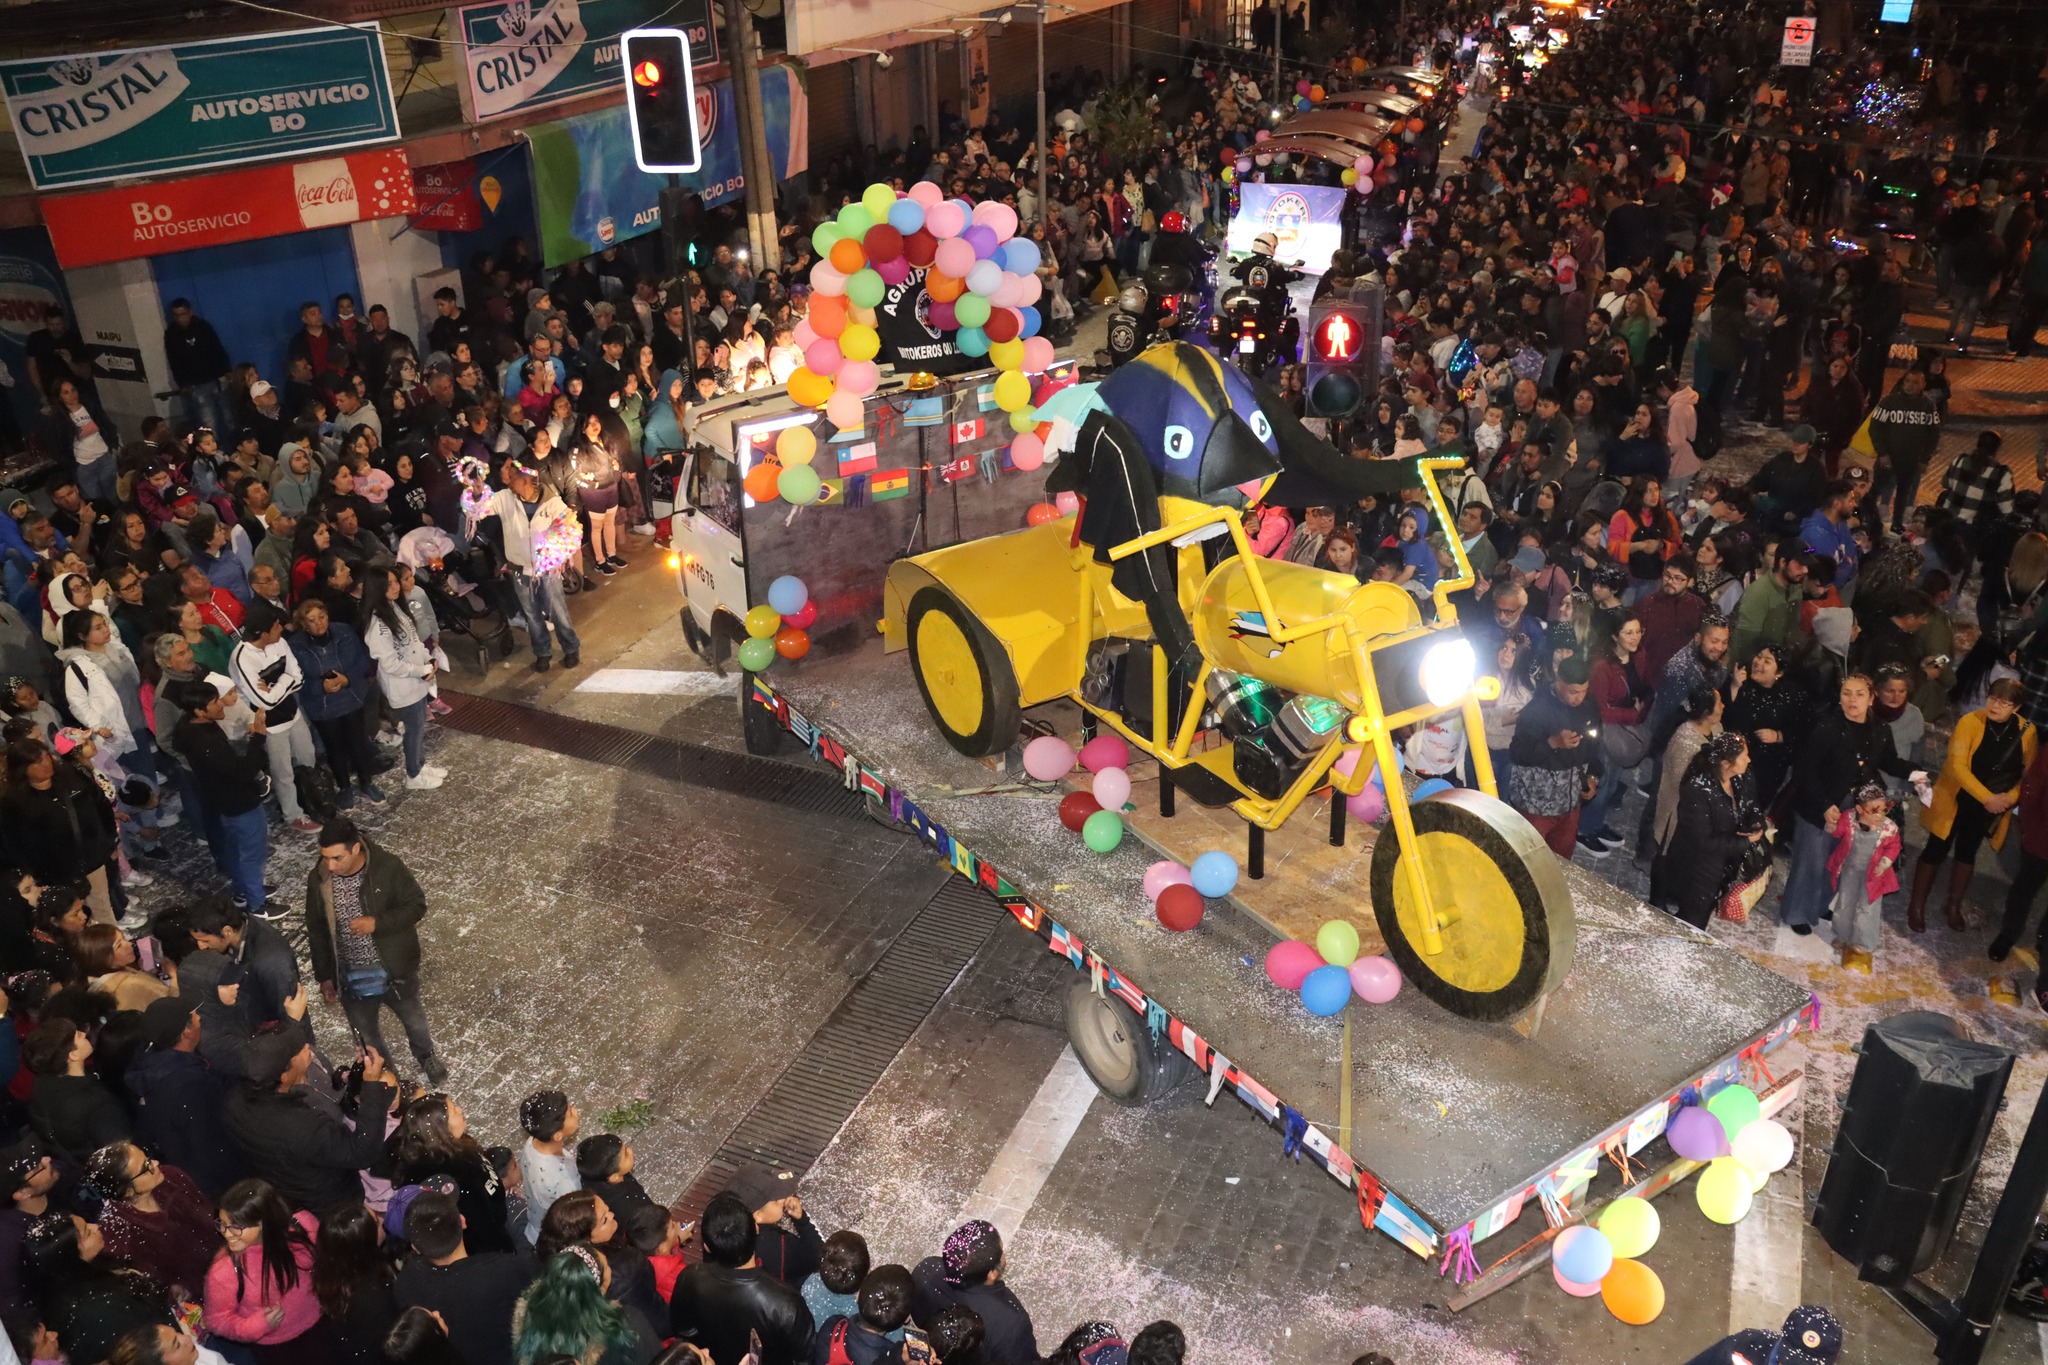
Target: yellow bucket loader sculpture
<point x="1246" y="678"/>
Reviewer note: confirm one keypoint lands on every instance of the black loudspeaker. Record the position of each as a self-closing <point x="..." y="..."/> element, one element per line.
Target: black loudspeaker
<point x="1920" y="1105"/>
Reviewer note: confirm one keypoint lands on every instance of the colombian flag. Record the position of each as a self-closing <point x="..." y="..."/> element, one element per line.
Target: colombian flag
<point x="889" y="484"/>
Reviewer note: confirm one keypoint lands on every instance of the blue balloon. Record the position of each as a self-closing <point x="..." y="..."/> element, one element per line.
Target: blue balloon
<point x="788" y="594"/>
<point x="1214" y="873"/>
<point x="971" y="341"/>
<point x="1020" y="256"/>
<point x="1426" y="790"/>
<point x="906" y="216"/>
<point x="1326" y="990"/>
<point x="1587" y="1258"/>
<point x="1031" y="321"/>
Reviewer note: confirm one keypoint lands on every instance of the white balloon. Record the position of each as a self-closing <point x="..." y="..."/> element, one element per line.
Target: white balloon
<point x="1763" y="1146"/>
<point x="985" y="278"/>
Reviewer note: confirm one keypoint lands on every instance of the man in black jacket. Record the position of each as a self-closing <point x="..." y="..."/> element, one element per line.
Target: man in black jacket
<point x="363" y="907"/>
<point x="232" y="783"/>
<point x="290" y="1139"/>
<point x="1557" y="757"/>
<point x="719" y="1301"/>
<point x="270" y="969"/>
<point x="474" y="1295"/>
<point x="198" y="363"/>
<point x="179" y="1100"/>
<point x="968" y="1273"/>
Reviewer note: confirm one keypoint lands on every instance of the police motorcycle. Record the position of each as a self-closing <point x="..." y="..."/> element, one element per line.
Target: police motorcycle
<point x="1254" y="319"/>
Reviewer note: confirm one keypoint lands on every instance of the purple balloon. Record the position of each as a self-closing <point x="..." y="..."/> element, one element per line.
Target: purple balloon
<point x="982" y="238"/>
<point x="943" y="318"/>
<point x="1696" y="1134"/>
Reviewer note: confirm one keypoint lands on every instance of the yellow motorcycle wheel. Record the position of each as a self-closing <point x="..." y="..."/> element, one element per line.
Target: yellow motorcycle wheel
<point x="965" y="678"/>
<point x="1506" y="920"/>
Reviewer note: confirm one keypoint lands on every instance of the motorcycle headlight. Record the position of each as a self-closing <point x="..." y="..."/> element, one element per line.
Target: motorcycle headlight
<point x="1447" y="671"/>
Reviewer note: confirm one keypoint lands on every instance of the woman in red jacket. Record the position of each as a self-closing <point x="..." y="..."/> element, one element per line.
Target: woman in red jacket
<point x="1623" y="696"/>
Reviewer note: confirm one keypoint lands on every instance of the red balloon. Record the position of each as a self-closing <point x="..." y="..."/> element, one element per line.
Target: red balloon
<point x="792" y="643"/>
<point x="802" y="617"/>
<point x="1179" y="907"/>
<point x="920" y="247"/>
<point x="1075" y="808"/>
<point x="1003" y="324"/>
<point x="1038" y="514"/>
<point x="883" y="242"/>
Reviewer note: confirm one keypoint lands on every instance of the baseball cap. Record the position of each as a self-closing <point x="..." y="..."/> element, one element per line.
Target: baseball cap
<point x="221" y="683"/>
<point x="1811" y="1332"/>
<point x="260" y="389"/>
<point x="1528" y="559"/>
<point x="448" y="429"/>
<point x="402" y="1197"/>
<point x="1801" y="435"/>
<point x="269" y="1054"/>
<point x="163" y="1022"/>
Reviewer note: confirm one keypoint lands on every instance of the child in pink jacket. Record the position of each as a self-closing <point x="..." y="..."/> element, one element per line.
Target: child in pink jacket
<point x="1864" y="870"/>
<point x="247" y="1300"/>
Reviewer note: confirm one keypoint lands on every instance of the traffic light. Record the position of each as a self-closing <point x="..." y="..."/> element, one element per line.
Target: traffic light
<point x="1343" y="355"/>
<point x="661" y="98"/>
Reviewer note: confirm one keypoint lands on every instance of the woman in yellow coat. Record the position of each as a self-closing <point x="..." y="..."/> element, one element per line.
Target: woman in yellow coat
<point x="1979" y="785"/>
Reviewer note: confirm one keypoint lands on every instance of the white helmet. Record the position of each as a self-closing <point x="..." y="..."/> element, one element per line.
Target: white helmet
<point x="1265" y="244"/>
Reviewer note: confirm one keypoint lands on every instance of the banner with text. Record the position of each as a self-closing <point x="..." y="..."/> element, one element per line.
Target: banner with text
<point x="591" y="194"/>
<point x="198" y="106"/>
<point x="528" y="54"/>
<point x="234" y="206"/>
<point x="29" y="283"/>
<point x="1308" y="220"/>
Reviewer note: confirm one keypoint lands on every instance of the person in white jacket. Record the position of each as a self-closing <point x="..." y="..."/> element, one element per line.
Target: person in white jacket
<point x="405" y="672"/>
<point x="266" y="671"/>
<point x="538" y="535"/>
<point x="103" y="689"/>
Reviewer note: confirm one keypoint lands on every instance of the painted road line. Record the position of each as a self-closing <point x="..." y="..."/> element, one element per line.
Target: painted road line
<point x="1766" y="1281"/>
<point x="1027" y="1157"/>
<point x="655" y="682"/>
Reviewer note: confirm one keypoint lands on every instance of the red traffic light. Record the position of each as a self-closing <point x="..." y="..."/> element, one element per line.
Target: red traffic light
<point x="647" y="74"/>
<point x="1338" y="338"/>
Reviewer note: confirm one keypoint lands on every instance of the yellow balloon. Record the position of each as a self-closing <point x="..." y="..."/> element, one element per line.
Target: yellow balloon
<point x="763" y="621"/>
<point x="1350" y="176"/>
<point x="1013" y="391"/>
<point x="796" y="445"/>
<point x="1006" y="355"/>
<point x="808" y="387"/>
<point x="859" y="342"/>
<point x="1724" y="1190"/>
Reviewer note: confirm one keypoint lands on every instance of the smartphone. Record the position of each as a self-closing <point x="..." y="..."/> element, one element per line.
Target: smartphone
<point x="917" y="1347"/>
<point x="146" y="955"/>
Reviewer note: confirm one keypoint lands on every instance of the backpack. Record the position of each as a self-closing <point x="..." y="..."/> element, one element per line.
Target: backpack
<point x="318" y="794"/>
<point x="836" y="1353"/>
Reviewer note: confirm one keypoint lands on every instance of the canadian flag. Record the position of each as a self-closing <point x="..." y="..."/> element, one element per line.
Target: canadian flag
<point x="963" y="432"/>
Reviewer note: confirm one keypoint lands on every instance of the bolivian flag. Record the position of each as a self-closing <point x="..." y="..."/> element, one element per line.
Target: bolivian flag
<point x="888" y="484"/>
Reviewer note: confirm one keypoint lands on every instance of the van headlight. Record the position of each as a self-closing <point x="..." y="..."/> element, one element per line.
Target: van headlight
<point x="1447" y="671"/>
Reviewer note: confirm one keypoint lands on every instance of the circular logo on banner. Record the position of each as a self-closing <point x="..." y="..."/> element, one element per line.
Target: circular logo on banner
<point x="26" y="289"/>
<point x="1287" y="220"/>
<point x="606" y="230"/>
<point x="1123" y="336"/>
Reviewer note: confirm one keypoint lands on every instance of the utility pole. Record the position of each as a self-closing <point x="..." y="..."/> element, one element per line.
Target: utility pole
<point x="755" y="163"/>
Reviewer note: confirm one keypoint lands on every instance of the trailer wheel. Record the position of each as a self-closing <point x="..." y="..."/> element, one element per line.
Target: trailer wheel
<point x="1118" y="1051"/>
<point x="759" y="730"/>
<point x="1508" y="934"/>
<point x="962" y="673"/>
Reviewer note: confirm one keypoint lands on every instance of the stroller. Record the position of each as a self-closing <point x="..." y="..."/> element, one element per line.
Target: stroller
<point x="463" y="588"/>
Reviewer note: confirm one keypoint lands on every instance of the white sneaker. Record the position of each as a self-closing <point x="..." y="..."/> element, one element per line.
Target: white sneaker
<point x="136" y="878"/>
<point x="645" y="528"/>
<point x="425" y="782"/>
<point x="134" y="922"/>
<point x="436" y="769"/>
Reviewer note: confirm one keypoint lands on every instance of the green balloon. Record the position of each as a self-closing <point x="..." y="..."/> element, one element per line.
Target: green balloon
<point x="854" y="221"/>
<point x="799" y="485"/>
<point x="1737" y="1107"/>
<point x="865" y="287"/>
<point x="1631" y="1224"/>
<point x="971" y="309"/>
<point x="877" y="199"/>
<point x="1022" y="420"/>
<point x="1103" y="831"/>
<point x="755" y="653"/>
<point x="1337" y="941"/>
<point x="824" y="236"/>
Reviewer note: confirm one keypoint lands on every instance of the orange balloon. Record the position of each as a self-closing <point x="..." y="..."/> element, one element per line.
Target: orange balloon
<point x="1415" y="125"/>
<point x="828" y="314"/>
<point x="1040" y="513"/>
<point x="943" y="288"/>
<point x="1633" y="1293"/>
<point x="847" y="256"/>
<point x="792" y="643"/>
<point x="760" y="481"/>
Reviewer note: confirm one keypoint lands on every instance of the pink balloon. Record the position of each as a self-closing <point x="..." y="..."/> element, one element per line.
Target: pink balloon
<point x="954" y="256"/>
<point x="1066" y="502"/>
<point x="945" y="221"/>
<point x="1112" y="786"/>
<point x="1370" y="805"/>
<point x="844" y="409"/>
<point x="823" y="356"/>
<point x="1577" y="1291"/>
<point x="1038" y="355"/>
<point x="1005" y="295"/>
<point x="893" y="272"/>
<point x="926" y="193"/>
<point x="1027" y="452"/>
<point x="804" y="334"/>
<point x="1289" y="962"/>
<point x="997" y="216"/>
<point x="1029" y="289"/>
<point x="1105" y="751"/>
<point x="1048" y="758"/>
<point x="1375" y="979"/>
<point x="826" y="280"/>
<point x="859" y="377"/>
<point x="1163" y="874"/>
<point x="943" y="318"/>
<point x="1347" y="762"/>
<point x="1261" y="135"/>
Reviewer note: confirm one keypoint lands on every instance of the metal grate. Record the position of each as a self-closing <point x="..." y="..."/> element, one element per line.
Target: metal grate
<point x="673" y="760"/>
<point x="811" y="1101"/>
